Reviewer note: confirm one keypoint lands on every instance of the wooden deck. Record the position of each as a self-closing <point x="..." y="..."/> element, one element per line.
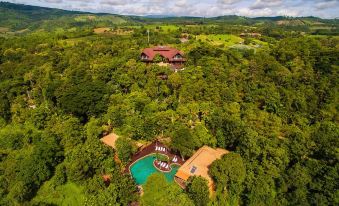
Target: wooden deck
<point x="149" y="149"/>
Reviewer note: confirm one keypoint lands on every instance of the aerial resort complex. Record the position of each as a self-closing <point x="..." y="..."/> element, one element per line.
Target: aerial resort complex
<point x="169" y="103"/>
<point x="156" y="157"/>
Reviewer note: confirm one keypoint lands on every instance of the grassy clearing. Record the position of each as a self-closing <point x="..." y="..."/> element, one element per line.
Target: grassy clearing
<point x="84" y="18"/>
<point x="68" y="194"/>
<point x="169" y="28"/>
<point x="70" y="42"/>
<point x="101" y="30"/>
<point x="323" y="36"/>
<point x="107" y="30"/>
<point x="321" y="27"/>
<point x="198" y="25"/>
<point x="164" y="28"/>
<point x="220" y="39"/>
<point x="4" y="29"/>
<point x="105" y="18"/>
<point x="261" y="43"/>
<point x="160" y="28"/>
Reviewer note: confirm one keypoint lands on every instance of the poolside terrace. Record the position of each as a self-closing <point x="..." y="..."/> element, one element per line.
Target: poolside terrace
<point x="154" y="148"/>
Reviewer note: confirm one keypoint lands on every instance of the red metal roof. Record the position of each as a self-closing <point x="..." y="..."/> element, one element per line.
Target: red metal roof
<point x="164" y="51"/>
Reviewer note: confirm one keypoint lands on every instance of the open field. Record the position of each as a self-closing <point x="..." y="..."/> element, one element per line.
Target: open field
<point x="258" y="42"/>
<point x="70" y="42"/>
<point x="219" y="39"/>
<point x="161" y="28"/>
<point x="166" y="28"/>
<point x="101" y="30"/>
<point x="3" y="29"/>
<point x="323" y="36"/>
<point x="107" y="30"/>
<point x="106" y="18"/>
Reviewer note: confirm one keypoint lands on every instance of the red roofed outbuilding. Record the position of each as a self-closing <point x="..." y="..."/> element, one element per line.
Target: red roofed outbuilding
<point x="170" y="55"/>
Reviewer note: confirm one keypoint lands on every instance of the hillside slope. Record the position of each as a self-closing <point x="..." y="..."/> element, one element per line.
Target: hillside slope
<point x="18" y="17"/>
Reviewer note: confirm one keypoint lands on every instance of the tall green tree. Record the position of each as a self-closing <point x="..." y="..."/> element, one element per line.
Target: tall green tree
<point x="157" y="191"/>
<point x="229" y="173"/>
<point x="125" y="149"/>
<point x="183" y="141"/>
<point x="198" y="191"/>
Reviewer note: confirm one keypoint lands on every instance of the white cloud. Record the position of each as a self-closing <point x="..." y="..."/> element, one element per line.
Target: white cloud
<point x="252" y="13"/>
<point x="327" y="4"/>
<point x="208" y="8"/>
<point x="118" y="2"/>
<point x="181" y="3"/>
<point x="229" y="1"/>
<point x="260" y="4"/>
<point x="52" y="1"/>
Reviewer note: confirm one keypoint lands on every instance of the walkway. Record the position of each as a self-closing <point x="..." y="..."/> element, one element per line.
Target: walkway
<point x="151" y="149"/>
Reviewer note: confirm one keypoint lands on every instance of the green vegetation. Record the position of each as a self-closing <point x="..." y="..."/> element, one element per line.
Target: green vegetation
<point x="67" y="194"/>
<point x="157" y="192"/>
<point x="220" y="39"/>
<point x="125" y="149"/>
<point x="161" y="157"/>
<point x="62" y="87"/>
<point x="230" y="172"/>
<point x="198" y="190"/>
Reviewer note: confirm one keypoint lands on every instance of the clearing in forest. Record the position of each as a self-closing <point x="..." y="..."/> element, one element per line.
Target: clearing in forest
<point x="107" y="30"/>
<point x="4" y="29"/>
<point x="102" y="30"/>
<point x="155" y="27"/>
<point x="220" y="39"/>
<point x="104" y="18"/>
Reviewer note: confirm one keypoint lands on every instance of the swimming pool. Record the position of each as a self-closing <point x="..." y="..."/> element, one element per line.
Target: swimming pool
<point x="143" y="168"/>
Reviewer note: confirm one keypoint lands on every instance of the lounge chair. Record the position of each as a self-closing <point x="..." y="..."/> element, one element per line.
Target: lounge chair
<point x="166" y="166"/>
<point x="164" y="149"/>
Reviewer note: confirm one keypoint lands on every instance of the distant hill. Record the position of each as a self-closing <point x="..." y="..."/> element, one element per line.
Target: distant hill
<point x="19" y="17"/>
<point x="158" y="16"/>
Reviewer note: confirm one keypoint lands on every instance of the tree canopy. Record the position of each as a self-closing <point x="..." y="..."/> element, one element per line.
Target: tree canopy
<point x="271" y="100"/>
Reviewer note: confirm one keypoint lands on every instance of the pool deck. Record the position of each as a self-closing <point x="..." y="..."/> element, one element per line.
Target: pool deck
<point x="149" y="149"/>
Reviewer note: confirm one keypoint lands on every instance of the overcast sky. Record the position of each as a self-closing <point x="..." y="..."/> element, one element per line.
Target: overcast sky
<point x="208" y="8"/>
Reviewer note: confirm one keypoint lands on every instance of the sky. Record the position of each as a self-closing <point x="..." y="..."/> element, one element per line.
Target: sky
<point x="202" y="8"/>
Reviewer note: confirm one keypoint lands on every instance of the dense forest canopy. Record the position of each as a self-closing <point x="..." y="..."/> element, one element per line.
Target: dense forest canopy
<point x="272" y="101"/>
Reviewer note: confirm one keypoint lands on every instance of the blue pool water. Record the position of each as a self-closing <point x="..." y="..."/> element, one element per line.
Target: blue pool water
<point x="143" y="168"/>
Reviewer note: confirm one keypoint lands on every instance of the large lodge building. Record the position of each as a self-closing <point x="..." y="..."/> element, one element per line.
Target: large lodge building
<point x="170" y="56"/>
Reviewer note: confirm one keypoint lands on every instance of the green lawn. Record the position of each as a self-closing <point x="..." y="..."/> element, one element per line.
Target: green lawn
<point x="4" y="29"/>
<point x="68" y="194"/>
<point x="219" y="39"/>
<point x="323" y="36"/>
<point x="262" y="43"/>
<point x="105" y="18"/>
<point x="162" y="28"/>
